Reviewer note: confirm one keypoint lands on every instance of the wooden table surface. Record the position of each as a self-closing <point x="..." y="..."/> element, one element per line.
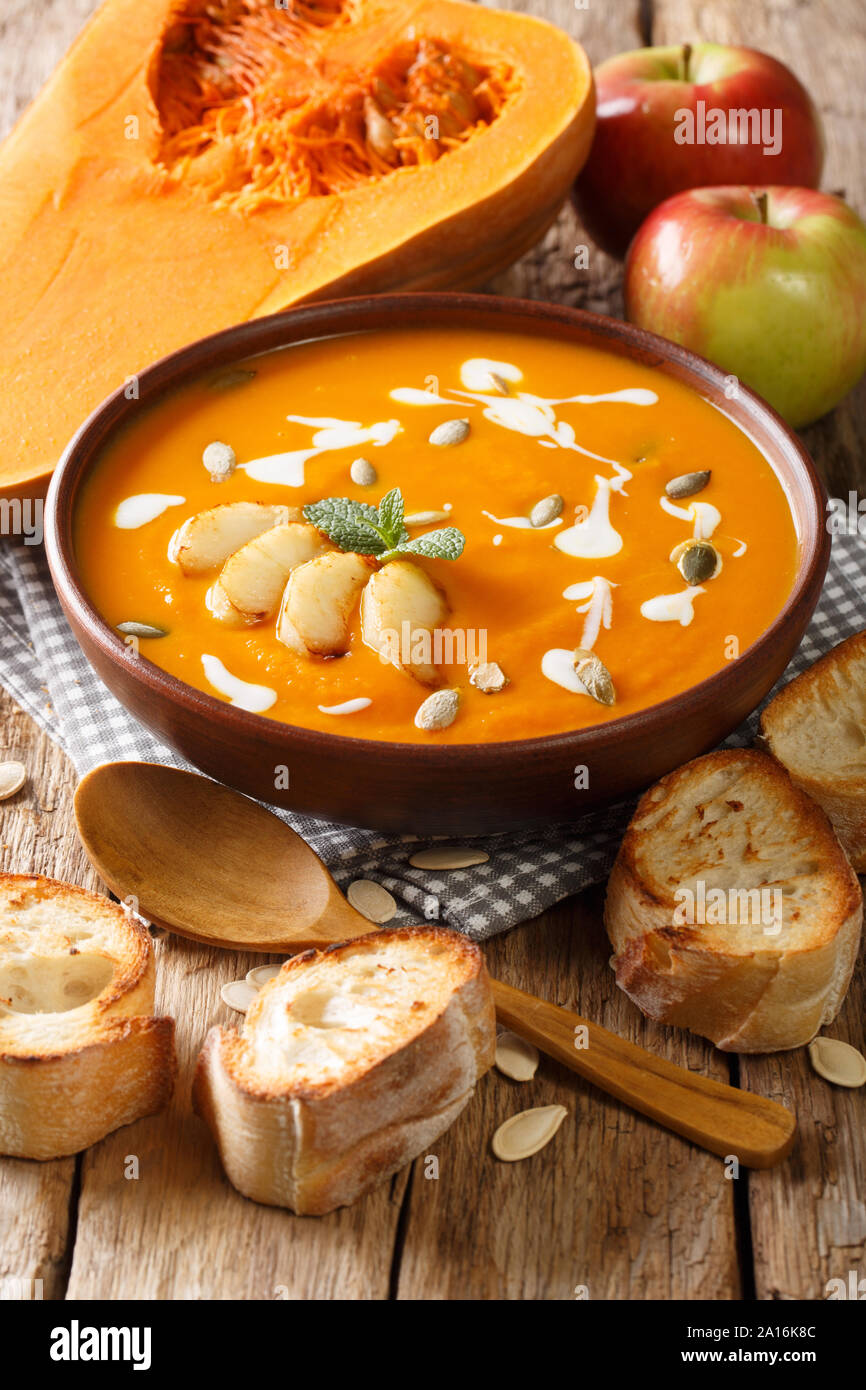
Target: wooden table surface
<point x="615" y="1207"/>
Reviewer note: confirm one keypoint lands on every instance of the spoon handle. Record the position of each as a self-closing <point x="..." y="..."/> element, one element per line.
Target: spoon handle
<point x="727" y="1121"/>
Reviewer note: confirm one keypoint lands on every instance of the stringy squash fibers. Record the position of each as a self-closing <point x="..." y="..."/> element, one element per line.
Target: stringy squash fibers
<point x="194" y="164"/>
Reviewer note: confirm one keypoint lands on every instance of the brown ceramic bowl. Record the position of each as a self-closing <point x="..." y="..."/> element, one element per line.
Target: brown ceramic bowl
<point x="428" y="789"/>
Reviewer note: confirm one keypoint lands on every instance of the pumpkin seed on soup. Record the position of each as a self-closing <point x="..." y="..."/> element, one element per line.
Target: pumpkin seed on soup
<point x="547" y="510"/>
<point x="141" y="630"/>
<point x="594" y="676"/>
<point x="688" y="484"/>
<point x="698" y="561"/>
<point x="450" y="432"/>
<point x="232" y="376"/>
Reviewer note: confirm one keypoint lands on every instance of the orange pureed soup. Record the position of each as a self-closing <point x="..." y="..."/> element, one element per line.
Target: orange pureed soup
<point x="607" y="575"/>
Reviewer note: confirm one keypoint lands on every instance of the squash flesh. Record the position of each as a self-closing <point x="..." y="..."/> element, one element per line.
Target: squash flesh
<point x="119" y="258"/>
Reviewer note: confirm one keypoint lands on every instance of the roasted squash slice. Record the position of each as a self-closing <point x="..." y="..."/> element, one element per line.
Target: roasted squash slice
<point x="194" y="163"/>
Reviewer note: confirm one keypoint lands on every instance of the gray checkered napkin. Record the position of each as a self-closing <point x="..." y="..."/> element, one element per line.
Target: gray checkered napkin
<point x="43" y="669"/>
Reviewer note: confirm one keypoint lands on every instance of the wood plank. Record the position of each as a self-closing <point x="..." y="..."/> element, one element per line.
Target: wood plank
<point x="809" y="1217"/>
<point x="36" y="837"/>
<point x="614" y="1205"/>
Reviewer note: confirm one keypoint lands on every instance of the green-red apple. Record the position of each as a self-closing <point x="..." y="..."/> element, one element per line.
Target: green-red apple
<point x="661" y="113"/>
<point x="770" y="284"/>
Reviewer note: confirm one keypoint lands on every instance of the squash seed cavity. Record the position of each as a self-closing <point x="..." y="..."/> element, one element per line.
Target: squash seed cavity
<point x="515" y="1057"/>
<point x="838" y="1062"/>
<point x="525" y="1134"/>
<point x="594" y="676"/>
<point x="372" y="900"/>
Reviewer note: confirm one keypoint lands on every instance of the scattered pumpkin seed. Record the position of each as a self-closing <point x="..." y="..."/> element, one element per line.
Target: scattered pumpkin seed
<point x="220" y="460"/>
<point x="363" y="473"/>
<point x="13" y="775"/>
<point x="489" y="677"/>
<point x="524" y="1134"/>
<point x="688" y="484"/>
<point x="141" y="630"/>
<point x="424" y="518"/>
<point x="380" y="132"/>
<point x="260" y="974"/>
<point x="450" y="432"/>
<point x="838" y="1062"/>
<point x="232" y="376"/>
<point x="239" y="994"/>
<point x="698" y="561"/>
<point x="499" y="384"/>
<point x="515" y="1057"/>
<point x="372" y="900"/>
<point x="438" y="710"/>
<point x="447" y="857"/>
<point x="547" y="510"/>
<point x="594" y="676"/>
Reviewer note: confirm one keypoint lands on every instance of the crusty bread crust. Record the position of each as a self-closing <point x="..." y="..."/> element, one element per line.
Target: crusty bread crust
<point x="316" y="1144"/>
<point x="816" y="727"/>
<point x="734" y="817"/>
<point x="71" y="1072"/>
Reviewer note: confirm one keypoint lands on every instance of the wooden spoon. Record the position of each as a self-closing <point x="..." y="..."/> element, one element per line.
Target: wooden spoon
<point x="210" y="864"/>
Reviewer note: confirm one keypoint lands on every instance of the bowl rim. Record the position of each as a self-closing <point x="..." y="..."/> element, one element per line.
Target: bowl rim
<point x="332" y="318"/>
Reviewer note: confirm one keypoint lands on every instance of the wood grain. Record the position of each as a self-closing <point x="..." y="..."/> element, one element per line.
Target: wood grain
<point x="616" y="1207"/>
<point x="808" y="1220"/>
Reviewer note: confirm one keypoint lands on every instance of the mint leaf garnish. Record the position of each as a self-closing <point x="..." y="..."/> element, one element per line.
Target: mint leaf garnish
<point x="446" y="544"/>
<point x="380" y="531"/>
<point x="350" y="525"/>
<point x="391" y="527"/>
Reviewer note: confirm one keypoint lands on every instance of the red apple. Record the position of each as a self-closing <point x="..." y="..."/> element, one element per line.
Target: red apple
<point x="770" y="284"/>
<point x="661" y="116"/>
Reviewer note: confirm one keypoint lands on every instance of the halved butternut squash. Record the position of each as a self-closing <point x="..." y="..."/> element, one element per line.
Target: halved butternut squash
<point x="194" y="163"/>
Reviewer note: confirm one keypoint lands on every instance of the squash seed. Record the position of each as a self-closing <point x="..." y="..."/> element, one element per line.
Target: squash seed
<point x="446" y="857"/>
<point x="489" y="677"/>
<point x="838" y="1062"/>
<point x="372" y="900"/>
<point x="13" y="775"/>
<point x="524" y="1134"/>
<point x="380" y="132"/>
<point x="450" y="432"/>
<point x="515" y="1057"/>
<point x="239" y="994"/>
<point x="363" y="473"/>
<point x="260" y="974"/>
<point x="424" y="518"/>
<point x="547" y="510"/>
<point x="220" y="460"/>
<point x="697" y="561"/>
<point x="231" y="377"/>
<point x="688" y="484"/>
<point x="438" y="710"/>
<point x="499" y="384"/>
<point x="141" y="630"/>
<point x="594" y="676"/>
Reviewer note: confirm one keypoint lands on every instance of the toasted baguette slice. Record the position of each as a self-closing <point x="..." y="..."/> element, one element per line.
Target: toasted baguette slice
<point x="351" y="1062"/>
<point x="752" y="972"/>
<point x="816" y="727"/>
<point x="80" y="1052"/>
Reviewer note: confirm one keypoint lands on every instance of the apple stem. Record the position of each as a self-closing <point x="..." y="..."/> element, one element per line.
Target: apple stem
<point x="760" y="200"/>
<point x="687" y="53"/>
